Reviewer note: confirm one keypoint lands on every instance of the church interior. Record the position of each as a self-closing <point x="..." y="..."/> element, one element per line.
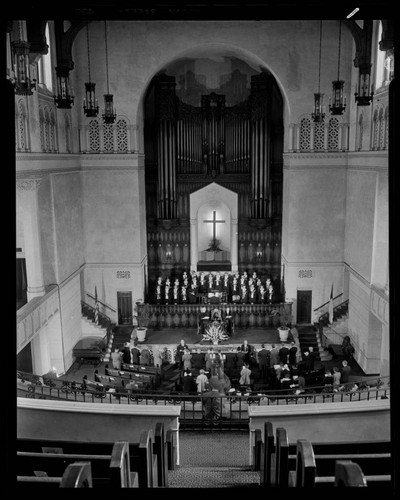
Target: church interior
<point x="186" y="176"/>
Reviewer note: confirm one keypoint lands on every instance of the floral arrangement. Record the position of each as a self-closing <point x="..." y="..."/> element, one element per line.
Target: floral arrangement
<point x="214" y="245"/>
<point x="215" y="333"/>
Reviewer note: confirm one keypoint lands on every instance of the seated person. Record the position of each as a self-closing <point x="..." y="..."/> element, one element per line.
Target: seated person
<point x="216" y="316"/>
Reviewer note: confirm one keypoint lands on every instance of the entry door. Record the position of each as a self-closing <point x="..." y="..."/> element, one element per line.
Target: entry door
<point x="124" y="308"/>
<point x="304" y="306"/>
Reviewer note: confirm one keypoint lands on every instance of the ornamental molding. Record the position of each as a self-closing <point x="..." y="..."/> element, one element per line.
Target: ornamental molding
<point x="309" y="154"/>
<point x="28" y="184"/>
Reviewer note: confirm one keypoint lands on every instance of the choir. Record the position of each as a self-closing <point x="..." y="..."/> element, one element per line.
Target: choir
<point x="197" y="287"/>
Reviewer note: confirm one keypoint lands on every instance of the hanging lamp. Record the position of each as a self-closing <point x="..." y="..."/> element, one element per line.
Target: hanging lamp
<point x="318" y="115"/>
<point x="109" y="114"/>
<point x="90" y="105"/>
<point x="22" y="80"/>
<point x="337" y="103"/>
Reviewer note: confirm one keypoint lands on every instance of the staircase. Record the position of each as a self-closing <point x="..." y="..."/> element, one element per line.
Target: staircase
<point x="103" y="328"/>
<point x="309" y="337"/>
<point x="335" y="332"/>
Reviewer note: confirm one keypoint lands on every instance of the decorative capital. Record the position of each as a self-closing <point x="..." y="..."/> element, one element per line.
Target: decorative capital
<point x="28" y="184"/>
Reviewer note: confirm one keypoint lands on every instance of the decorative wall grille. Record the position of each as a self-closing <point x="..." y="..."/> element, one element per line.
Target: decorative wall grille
<point x="94" y="136"/>
<point x="319" y="136"/>
<point x="122" y="136"/>
<point x="108" y="138"/>
<point x="333" y="134"/>
<point x="305" y="134"/>
<point x="41" y="127"/>
<point x="360" y="132"/>
<point x="381" y="130"/>
<point x="22" y="128"/>
<point x="46" y="130"/>
<point x="68" y="144"/>
<point x="375" y="125"/>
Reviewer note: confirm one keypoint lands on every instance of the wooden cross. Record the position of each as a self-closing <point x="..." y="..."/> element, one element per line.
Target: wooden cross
<point x="214" y="221"/>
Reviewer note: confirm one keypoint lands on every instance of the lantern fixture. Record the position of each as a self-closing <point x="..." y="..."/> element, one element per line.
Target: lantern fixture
<point x="364" y="90"/>
<point x="109" y="114"/>
<point x="64" y="99"/>
<point x="22" y="80"/>
<point x="337" y="104"/>
<point x="90" y="103"/>
<point x="318" y="115"/>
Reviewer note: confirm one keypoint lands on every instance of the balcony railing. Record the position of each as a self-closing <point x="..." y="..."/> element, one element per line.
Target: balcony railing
<point x="231" y="409"/>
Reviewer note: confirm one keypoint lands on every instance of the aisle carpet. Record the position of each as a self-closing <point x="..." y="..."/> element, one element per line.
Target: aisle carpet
<point x="214" y="459"/>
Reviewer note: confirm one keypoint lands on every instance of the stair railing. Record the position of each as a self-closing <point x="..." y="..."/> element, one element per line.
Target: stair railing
<point x="103" y="306"/>
<point x="338" y="312"/>
<point x="103" y="320"/>
<point x="324" y="308"/>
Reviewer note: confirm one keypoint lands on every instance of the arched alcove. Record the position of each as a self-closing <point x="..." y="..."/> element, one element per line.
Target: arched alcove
<point x="212" y="116"/>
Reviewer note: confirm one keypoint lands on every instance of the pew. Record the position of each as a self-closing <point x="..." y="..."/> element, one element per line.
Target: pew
<point x="131" y="375"/>
<point x="267" y="449"/>
<point x="280" y="460"/>
<point x="108" y="470"/>
<point x="154" y="371"/>
<point x="257" y="450"/>
<point x="150" y="459"/>
<point x="76" y="475"/>
<point x="171" y="449"/>
<point x="336" y="470"/>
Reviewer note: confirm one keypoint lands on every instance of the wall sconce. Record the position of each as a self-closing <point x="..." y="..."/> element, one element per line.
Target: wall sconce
<point x="168" y="255"/>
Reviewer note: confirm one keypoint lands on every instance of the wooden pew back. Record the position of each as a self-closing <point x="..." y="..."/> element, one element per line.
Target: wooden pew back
<point x="108" y="469"/>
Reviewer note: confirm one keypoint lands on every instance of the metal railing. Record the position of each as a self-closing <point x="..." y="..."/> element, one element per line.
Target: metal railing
<point x="230" y="411"/>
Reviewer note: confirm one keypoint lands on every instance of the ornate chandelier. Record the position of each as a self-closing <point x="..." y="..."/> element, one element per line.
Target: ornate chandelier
<point x="90" y="104"/>
<point x="337" y="104"/>
<point x="109" y="114"/>
<point x="318" y="115"/>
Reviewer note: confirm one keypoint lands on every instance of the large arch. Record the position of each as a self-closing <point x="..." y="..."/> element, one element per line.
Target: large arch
<point x="211" y="48"/>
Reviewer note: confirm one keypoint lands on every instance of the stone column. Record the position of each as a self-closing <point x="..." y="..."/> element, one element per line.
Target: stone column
<point x="32" y="246"/>
<point x="193" y="245"/>
<point x="234" y="244"/>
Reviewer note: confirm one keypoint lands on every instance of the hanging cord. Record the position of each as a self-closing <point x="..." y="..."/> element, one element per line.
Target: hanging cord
<point x="88" y="49"/>
<point x="340" y="33"/>
<point x="320" y="43"/>
<point x="105" y="34"/>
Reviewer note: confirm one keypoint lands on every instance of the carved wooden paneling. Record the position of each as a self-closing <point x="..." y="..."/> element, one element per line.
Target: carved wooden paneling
<point x="243" y="315"/>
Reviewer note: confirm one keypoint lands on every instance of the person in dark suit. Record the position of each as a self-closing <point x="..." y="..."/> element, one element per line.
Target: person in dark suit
<point x="293" y="354"/>
<point x="345" y="371"/>
<point x="126" y="353"/>
<point x="188" y="382"/>
<point x="230" y="362"/>
<point x="135" y="355"/>
<point x="310" y="358"/>
<point x="248" y="352"/>
<point x="263" y="361"/>
<point x="283" y="354"/>
<point x="198" y="360"/>
<point x="240" y="355"/>
<point x="274" y="355"/>
<point x="145" y="356"/>
<point x="180" y="349"/>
